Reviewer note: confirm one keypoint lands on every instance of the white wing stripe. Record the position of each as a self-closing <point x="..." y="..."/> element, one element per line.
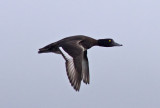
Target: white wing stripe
<point x="65" y="53"/>
<point x="72" y="73"/>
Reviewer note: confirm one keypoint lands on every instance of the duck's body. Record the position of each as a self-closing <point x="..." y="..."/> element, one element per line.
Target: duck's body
<point x="74" y="51"/>
<point x="85" y="41"/>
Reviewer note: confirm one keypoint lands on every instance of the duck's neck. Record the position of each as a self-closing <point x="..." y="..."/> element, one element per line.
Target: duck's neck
<point x="101" y="42"/>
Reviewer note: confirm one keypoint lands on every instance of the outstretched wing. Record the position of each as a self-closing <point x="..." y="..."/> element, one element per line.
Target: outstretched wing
<point x="73" y="54"/>
<point x="85" y="68"/>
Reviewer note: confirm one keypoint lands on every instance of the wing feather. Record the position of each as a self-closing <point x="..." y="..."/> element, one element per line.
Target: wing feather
<point x="73" y="66"/>
<point x="85" y="69"/>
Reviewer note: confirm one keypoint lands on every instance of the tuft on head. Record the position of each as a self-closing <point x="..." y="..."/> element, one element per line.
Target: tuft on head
<point x="107" y="43"/>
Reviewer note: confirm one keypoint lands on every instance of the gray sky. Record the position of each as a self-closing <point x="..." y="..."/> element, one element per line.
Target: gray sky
<point x="121" y="77"/>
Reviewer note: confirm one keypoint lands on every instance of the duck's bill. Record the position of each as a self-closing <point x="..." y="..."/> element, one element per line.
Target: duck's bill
<point x="117" y="44"/>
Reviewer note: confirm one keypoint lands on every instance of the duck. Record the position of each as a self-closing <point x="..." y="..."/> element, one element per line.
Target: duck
<point x="74" y="51"/>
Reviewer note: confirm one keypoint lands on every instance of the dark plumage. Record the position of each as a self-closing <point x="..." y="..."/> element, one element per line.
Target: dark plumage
<point x="74" y="51"/>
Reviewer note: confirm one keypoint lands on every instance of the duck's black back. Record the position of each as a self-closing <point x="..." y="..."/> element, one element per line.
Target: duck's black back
<point x="86" y="41"/>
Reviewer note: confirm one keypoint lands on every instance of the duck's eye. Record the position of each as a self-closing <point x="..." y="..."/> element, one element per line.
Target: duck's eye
<point x="109" y="40"/>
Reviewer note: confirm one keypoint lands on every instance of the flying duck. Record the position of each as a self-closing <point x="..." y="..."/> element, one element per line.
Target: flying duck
<point x="74" y="51"/>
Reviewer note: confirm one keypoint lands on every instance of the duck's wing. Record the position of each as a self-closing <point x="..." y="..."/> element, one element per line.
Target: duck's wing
<point x="85" y="68"/>
<point x="73" y="54"/>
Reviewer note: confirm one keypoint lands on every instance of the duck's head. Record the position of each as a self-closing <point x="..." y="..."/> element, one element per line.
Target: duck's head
<point x="107" y="43"/>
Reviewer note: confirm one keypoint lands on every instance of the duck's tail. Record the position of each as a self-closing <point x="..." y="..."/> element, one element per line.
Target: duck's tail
<point x="43" y="50"/>
<point x="47" y="49"/>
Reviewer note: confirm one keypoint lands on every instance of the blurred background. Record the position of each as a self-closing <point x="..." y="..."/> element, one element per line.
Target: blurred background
<point x="121" y="77"/>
